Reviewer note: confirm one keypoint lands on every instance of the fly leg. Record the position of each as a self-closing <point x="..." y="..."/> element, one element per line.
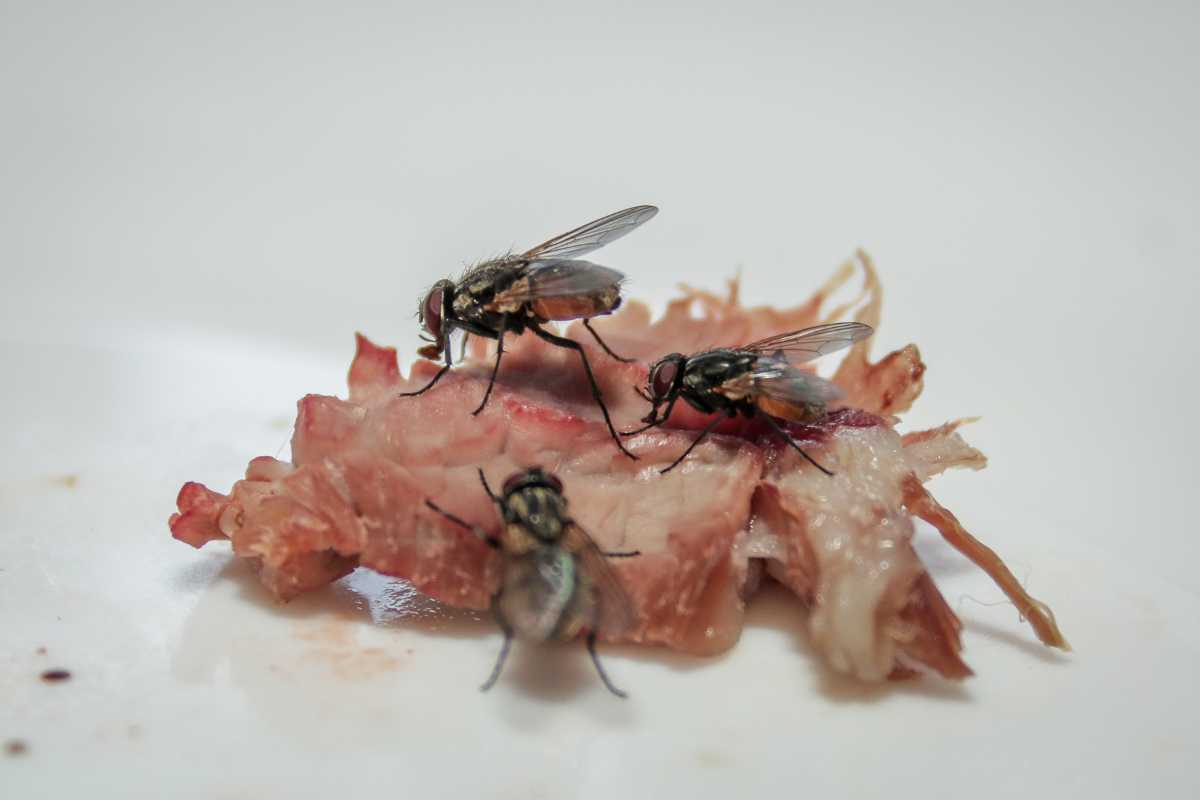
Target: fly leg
<point x="577" y="347"/>
<point x="508" y="637"/>
<point x="499" y="352"/>
<point x="486" y="488"/>
<point x="591" y="646"/>
<point x="652" y="420"/>
<point x="776" y="427"/>
<point x="436" y="378"/>
<point x="587" y="324"/>
<point x="707" y="430"/>
<point x="491" y="541"/>
<point x="608" y="553"/>
<point x="500" y="620"/>
<point x="645" y="427"/>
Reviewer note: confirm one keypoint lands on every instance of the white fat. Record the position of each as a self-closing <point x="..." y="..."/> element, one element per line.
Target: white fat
<point x="857" y="571"/>
<point x="859" y="536"/>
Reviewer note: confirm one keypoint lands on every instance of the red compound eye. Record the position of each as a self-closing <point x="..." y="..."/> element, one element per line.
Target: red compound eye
<point x="431" y="316"/>
<point x="514" y="480"/>
<point x="664" y="377"/>
<point x="534" y="476"/>
<point x="553" y="482"/>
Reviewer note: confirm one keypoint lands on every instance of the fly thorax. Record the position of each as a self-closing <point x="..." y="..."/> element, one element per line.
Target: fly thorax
<point x="540" y="511"/>
<point x="714" y="367"/>
<point x="465" y="302"/>
<point x="696" y="380"/>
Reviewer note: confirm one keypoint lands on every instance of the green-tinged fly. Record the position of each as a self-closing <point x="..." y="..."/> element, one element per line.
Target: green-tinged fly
<point x="556" y="582"/>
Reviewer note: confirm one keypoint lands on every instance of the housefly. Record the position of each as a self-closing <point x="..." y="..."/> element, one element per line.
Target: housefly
<point x="515" y="293"/>
<point x="758" y="377"/>
<point x="556" y="582"/>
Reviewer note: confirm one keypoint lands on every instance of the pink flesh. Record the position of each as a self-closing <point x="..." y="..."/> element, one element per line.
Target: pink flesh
<point x="362" y="468"/>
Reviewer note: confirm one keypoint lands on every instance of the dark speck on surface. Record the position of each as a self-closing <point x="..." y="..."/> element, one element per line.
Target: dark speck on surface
<point x="16" y="747"/>
<point x="41" y="651"/>
<point x="55" y="675"/>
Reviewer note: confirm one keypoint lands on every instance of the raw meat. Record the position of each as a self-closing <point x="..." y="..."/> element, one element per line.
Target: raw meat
<point x="361" y="468"/>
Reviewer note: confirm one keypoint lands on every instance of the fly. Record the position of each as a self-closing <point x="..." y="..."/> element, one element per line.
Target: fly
<point x="760" y="379"/>
<point x="515" y="293"/>
<point x="556" y="582"/>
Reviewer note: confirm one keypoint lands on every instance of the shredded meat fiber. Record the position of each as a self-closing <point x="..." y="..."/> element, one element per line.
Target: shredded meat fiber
<point x="353" y="493"/>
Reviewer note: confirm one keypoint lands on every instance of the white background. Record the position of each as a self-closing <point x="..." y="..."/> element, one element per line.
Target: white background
<point x="199" y="206"/>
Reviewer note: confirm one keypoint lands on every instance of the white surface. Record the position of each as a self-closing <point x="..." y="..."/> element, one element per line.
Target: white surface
<point x="198" y="207"/>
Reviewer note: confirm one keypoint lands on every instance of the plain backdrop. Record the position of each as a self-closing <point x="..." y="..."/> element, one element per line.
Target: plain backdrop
<point x="250" y="183"/>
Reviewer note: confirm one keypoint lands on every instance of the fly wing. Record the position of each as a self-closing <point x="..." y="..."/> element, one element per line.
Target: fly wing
<point x="796" y="347"/>
<point x="613" y="614"/>
<point x="560" y="278"/>
<point x="593" y="235"/>
<point x="779" y="380"/>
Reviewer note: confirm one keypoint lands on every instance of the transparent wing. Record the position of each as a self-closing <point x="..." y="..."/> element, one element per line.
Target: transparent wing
<point x="796" y="347"/>
<point x="614" y="611"/>
<point x="593" y="235"/>
<point x="777" y="379"/>
<point x="561" y="278"/>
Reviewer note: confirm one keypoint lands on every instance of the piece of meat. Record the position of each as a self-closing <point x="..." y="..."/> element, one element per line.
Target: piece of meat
<point x="845" y="545"/>
<point x="891" y="385"/>
<point x="363" y="467"/>
<point x="741" y="505"/>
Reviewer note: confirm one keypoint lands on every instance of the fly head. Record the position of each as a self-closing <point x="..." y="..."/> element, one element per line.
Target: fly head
<point x="664" y="382"/>
<point x="435" y="314"/>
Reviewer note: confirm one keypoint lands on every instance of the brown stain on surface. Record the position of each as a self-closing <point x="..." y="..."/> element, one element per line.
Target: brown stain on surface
<point x="332" y="633"/>
<point x="56" y="675"/>
<point x="16" y="747"/>
<point x="335" y="643"/>
<point x="66" y="481"/>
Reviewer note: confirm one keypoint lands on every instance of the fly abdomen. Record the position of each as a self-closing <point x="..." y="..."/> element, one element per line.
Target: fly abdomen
<point x="579" y="306"/>
<point x="538" y="593"/>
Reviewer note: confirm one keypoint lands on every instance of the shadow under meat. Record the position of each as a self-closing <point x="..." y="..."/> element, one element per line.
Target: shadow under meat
<point x="774" y="607"/>
<point x="1017" y="639"/>
<point x="368" y="597"/>
<point x="554" y="672"/>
